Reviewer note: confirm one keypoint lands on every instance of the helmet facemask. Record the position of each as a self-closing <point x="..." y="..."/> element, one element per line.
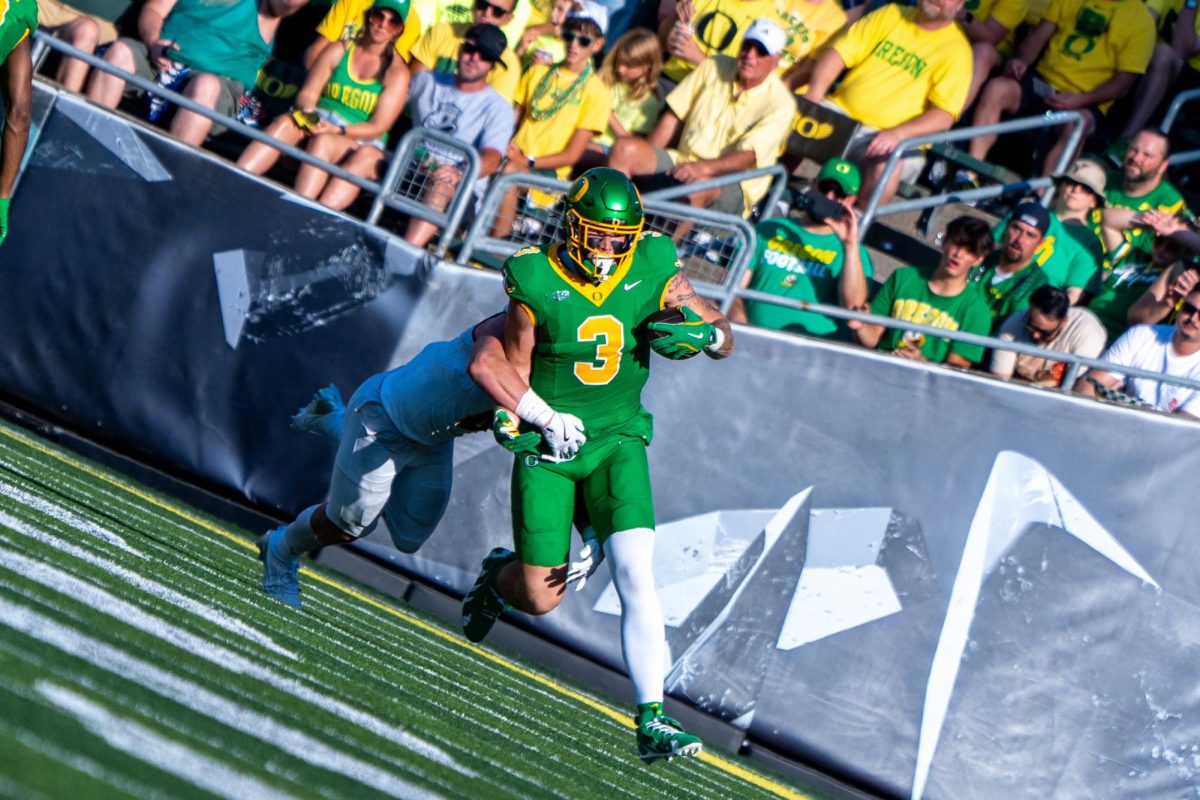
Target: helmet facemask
<point x="600" y="248"/>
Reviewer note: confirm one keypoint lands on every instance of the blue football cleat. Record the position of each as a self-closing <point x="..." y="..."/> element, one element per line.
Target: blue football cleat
<point x="280" y="578"/>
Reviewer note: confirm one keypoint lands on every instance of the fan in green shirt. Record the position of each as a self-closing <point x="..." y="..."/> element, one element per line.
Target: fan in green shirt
<point x="942" y="299"/>
<point x="1010" y="275"/>
<point x="821" y="260"/>
<point x="1142" y="186"/>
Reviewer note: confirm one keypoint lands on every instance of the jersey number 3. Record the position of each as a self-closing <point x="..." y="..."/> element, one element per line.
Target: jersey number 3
<point x="609" y="335"/>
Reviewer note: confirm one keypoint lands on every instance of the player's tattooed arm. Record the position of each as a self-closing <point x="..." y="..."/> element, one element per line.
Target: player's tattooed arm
<point x="680" y="294"/>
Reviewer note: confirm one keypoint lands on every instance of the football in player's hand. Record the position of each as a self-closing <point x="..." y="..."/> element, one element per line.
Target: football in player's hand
<point x="670" y="316"/>
<point x="677" y="334"/>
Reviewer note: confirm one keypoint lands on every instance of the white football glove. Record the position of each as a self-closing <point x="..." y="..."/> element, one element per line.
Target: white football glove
<point x="564" y="435"/>
<point x="587" y="559"/>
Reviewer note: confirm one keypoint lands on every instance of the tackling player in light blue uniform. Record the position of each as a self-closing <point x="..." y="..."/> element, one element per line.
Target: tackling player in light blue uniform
<point x="396" y="450"/>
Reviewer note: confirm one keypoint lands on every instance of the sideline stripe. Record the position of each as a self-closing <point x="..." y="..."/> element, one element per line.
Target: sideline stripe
<point x="706" y="756"/>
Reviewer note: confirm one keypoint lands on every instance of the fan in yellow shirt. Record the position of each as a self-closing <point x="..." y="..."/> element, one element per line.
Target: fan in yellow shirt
<point x="1088" y="54"/>
<point x="808" y="25"/>
<point x="727" y="116"/>
<point x="559" y="109"/>
<point x="987" y="23"/>
<point x="905" y="77"/>
<point x="438" y="48"/>
<point x="1176" y="39"/>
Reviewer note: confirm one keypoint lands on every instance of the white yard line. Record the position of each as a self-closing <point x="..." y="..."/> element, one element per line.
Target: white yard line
<point x="206" y="612"/>
<point x="203" y="701"/>
<point x="157" y="750"/>
<point x="67" y="517"/>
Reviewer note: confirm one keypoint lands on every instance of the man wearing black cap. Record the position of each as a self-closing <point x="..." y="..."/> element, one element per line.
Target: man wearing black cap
<point x="1010" y="275"/>
<point x="437" y="49"/>
<point x="464" y="105"/>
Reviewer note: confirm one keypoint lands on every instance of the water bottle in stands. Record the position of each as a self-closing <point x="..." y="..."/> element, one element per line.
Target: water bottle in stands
<point x="171" y="77"/>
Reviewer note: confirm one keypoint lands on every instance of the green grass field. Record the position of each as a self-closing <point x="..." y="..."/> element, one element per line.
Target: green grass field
<point x="138" y="658"/>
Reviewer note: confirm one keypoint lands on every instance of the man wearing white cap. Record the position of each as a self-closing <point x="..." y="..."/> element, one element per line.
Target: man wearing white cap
<point x="728" y="115"/>
<point x="908" y="73"/>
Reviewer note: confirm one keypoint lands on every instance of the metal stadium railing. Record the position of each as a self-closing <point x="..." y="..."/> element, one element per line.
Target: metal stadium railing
<point x="1075" y="363"/>
<point x="875" y="208"/>
<point x="1180" y="100"/>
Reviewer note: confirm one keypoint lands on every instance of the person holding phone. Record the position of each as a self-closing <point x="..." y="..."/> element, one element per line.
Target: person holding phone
<point x="350" y="99"/>
<point x="820" y="260"/>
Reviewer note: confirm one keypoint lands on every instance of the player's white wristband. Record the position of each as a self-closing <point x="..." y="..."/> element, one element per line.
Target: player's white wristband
<point x="534" y="410"/>
<point x="718" y="339"/>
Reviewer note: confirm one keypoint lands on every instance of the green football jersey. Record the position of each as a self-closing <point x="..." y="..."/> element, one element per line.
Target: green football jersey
<point x="591" y="355"/>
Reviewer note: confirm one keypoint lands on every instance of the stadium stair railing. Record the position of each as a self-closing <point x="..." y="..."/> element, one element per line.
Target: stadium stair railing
<point x="876" y="209"/>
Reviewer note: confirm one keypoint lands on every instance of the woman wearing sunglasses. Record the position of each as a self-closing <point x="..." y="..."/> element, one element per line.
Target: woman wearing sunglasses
<point x="350" y="99"/>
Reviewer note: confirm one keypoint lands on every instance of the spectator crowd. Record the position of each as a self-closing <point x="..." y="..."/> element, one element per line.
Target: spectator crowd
<point x="679" y="92"/>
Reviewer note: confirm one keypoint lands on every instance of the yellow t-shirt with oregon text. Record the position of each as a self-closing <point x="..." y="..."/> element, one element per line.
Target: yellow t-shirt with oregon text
<point x="718" y="26"/>
<point x="438" y="50"/>
<point x="1117" y="36"/>
<point x="897" y="71"/>
<point x="587" y="109"/>
<point x="808" y="25"/>
<point x="719" y="118"/>
<point x="345" y="20"/>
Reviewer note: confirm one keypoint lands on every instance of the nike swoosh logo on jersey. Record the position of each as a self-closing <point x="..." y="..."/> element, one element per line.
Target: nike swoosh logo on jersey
<point x="629" y="286"/>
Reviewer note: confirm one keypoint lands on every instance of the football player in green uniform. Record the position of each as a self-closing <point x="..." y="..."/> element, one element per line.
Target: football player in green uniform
<point x="579" y="325"/>
<point x="18" y="20"/>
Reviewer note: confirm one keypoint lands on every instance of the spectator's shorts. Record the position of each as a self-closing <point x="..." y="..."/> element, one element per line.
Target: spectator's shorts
<point x="227" y="99"/>
<point x="1033" y="92"/>
<point x="336" y="119"/>
<point x="910" y="166"/>
<point x="729" y="201"/>
<point x="53" y="14"/>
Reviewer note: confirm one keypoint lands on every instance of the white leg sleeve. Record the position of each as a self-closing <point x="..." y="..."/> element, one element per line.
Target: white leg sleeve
<point x="643" y="639"/>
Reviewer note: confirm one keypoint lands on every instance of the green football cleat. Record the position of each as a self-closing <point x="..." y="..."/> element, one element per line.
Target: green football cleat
<point x="483" y="603"/>
<point x="660" y="736"/>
